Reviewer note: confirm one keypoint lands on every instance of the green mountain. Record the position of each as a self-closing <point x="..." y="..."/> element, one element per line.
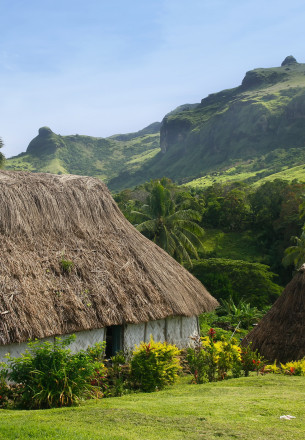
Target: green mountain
<point x="104" y="158"/>
<point x="248" y="132"/>
<point x="251" y="132"/>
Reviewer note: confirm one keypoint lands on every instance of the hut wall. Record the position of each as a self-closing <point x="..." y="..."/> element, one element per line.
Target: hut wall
<point x="176" y="330"/>
<point x="83" y="340"/>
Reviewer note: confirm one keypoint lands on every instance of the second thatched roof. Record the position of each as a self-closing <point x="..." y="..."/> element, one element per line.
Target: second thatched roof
<point x="280" y="335"/>
<point x="117" y="276"/>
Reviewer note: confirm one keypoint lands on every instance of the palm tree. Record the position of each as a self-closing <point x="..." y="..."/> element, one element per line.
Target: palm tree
<point x="296" y="254"/>
<point x="176" y="232"/>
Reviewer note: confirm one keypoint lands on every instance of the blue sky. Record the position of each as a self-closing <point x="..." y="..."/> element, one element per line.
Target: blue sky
<point x="100" y="67"/>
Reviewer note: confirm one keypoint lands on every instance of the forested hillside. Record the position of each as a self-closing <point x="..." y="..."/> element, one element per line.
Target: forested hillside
<point x="246" y="232"/>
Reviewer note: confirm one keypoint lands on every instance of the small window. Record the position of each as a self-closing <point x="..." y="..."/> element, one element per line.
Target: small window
<point x="114" y="340"/>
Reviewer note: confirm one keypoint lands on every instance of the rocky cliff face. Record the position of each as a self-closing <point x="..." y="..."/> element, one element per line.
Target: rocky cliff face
<point x="46" y="142"/>
<point x="265" y="112"/>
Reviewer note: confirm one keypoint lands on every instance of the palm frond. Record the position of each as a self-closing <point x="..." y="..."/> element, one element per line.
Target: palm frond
<point x="180" y="251"/>
<point x="190" y="226"/>
<point x="141" y="216"/>
<point x="187" y="243"/>
<point x="194" y="239"/>
<point x="185" y="214"/>
<point x="147" y="226"/>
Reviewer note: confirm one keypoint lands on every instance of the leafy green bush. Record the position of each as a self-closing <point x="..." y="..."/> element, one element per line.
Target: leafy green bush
<point x="294" y="368"/>
<point x="239" y="314"/>
<point x="251" y="360"/>
<point x="118" y="375"/>
<point x="211" y="360"/>
<point x="50" y="375"/>
<point x="238" y="279"/>
<point x="154" y="365"/>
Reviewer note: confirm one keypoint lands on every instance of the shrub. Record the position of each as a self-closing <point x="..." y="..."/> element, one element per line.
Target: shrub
<point x="293" y="368"/>
<point x="251" y="360"/>
<point x="50" y="375"/>
<point x="211" y="360"/>
<point x="252" y="282"/>
<point x="197" y="361"/>
<point x="154" y="365"/>
<point x="118" y="375"/>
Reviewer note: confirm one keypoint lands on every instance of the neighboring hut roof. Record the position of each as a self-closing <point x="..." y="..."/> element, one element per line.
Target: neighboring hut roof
<point x="280" y="335"/>
<point x="118" y="276"/>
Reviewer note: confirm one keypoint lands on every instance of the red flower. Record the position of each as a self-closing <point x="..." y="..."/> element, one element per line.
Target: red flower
<point x="212" y="333"/>
<point x="253" y="361"/>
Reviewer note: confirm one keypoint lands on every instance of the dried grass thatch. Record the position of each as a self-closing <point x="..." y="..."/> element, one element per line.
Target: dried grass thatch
<point x="280" y="335"/>
<point x="118" y="276"/>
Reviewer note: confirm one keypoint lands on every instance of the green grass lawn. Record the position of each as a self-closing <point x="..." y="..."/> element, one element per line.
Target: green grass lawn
<point x="245" y="408"/>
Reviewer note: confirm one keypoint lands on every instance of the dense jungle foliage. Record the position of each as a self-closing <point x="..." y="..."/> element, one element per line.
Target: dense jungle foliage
<point x="250" y="245"/>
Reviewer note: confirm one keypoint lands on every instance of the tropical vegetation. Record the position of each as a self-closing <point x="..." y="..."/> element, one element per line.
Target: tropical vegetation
<point x="241" y="253"/>
<point x="172" y="228"/>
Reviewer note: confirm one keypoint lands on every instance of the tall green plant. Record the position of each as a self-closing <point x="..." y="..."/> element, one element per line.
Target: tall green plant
<point x="176" y="232"/>
<point x="50" y="375"/>
<point x="154" y="365"/>
<point x="296" y="254"/>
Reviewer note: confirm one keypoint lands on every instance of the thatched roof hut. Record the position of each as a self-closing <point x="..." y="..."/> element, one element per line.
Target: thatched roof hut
<point x="116" y="276"/>
<point x="280" y="335"/>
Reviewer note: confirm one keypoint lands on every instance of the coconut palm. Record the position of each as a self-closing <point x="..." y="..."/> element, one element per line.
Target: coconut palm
<point x="296" y="254"/>
<point x="176" y="232"/>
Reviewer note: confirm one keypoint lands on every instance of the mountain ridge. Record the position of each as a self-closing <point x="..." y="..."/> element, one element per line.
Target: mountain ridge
<point x="235" y="128"/>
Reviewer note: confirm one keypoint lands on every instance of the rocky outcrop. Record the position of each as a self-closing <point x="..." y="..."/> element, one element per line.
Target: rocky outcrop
<point x="46" y="142"/>
<point x="173" y="131"/>
<point x="289" y="60"/>
<point x="261" y="77"/>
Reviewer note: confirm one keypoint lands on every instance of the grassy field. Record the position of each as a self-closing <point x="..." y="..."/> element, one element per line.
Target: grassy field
<point x="245" y="408"/>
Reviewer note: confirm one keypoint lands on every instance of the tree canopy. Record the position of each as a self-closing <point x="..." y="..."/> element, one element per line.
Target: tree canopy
<point x="176" y="231"/>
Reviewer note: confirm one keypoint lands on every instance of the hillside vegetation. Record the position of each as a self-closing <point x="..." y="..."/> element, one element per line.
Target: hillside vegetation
<point x="247" y="133"/>
<point x="254" y="132"/>
<point x="104" y="158"/>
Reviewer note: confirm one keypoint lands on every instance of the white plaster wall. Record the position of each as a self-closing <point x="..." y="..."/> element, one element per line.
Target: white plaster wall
<point x="174" y="329"/>
<point x="177" y="330"/>
<point x="87" y="338"/>
<point x="134" y="334"/>
<point x="189" y="328"/>
<point x="156" y="329"/>
<point x="83" y="340"/>
<point x="16" y="350"/>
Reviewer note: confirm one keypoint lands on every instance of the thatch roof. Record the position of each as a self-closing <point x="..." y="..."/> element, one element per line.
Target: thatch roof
<point x="280" y="335"/>
<point x="118" y="276"/>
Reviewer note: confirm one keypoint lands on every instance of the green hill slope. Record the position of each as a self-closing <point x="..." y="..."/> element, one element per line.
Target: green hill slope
<point x="101" y="157"/>
<point x="251" y="131"/>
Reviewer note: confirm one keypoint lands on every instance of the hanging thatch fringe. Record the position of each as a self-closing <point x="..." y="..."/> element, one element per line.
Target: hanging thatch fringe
<point x="280" y="335"/>
<point x="117" y="276"/>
